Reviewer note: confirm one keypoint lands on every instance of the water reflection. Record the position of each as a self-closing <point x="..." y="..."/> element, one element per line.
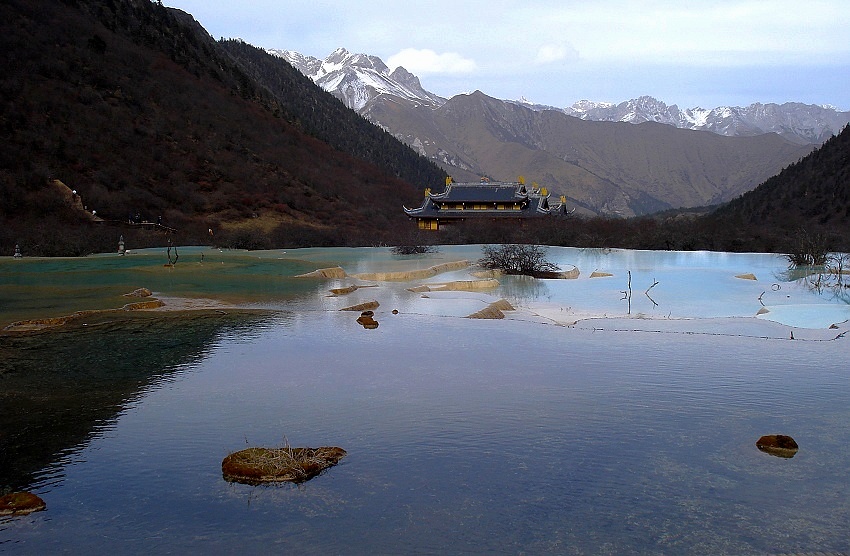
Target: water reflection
<point x="466" y="436"/>
<point x="827" y="283"/>
<point x="463" y="435"/>
<point x="58" y="389"/>
<point x="524" y="289"/>
<point x="664" y="284"/>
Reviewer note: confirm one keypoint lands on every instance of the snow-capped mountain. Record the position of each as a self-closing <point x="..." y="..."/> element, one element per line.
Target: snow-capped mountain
<point x="604" y="169"/>
<point x="802" y="123"/>
<point x="358" y="78"/>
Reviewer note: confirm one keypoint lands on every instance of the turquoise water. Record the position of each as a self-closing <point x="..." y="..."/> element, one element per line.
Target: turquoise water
<point x="622" y="435"/>
<point x="664" y="284"/>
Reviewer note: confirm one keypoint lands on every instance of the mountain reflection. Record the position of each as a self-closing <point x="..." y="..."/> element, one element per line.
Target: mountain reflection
<point x="58" y="389"/>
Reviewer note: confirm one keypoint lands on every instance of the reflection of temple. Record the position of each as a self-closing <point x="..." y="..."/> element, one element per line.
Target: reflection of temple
<point x="485" y="199"/>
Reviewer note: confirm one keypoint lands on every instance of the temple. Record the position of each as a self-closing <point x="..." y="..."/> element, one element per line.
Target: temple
<point x="485" y="199"/>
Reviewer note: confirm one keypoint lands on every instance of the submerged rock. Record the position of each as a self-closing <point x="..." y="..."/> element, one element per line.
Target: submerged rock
<point x="344" y="291"/>
<point x="264" y="465"/>
<point x="142" y="305"/>
<point x="405" y="275"/>
<point x="368" y="306"/>
<point x="503" y="305"/>
<point x="493" y="311"/>
<point x="778" y="445"/>
<point x="419" y="289"/>
<point x="487" y="313"/>
<point x="599" y="274"/>
<point x="140" y="292"/>
<point x="37" y="325"/>
<point x="488" y="273"/>
<point x="457" y="285"/>
<point x="558" y="275"/>
<point x="20" y="503"/>
<point x="334" y="272"/>
<point x="747" y="276"/>
<point x="350" y="289"/>
<point x="366" y="321"/>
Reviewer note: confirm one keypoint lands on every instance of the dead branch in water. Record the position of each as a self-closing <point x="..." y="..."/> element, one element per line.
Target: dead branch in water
<point x="646" y="293"/>
<point x="627" y="294"/>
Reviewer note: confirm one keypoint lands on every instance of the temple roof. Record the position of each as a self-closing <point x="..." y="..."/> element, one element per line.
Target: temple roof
<point x="475" y="193"/>
<point x="443" y="205"/>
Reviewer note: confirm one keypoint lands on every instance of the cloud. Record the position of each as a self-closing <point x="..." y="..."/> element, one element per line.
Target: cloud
<point x="425" y="61"/>
<point x="725" y="33"/>
<point x="549" y="53"/>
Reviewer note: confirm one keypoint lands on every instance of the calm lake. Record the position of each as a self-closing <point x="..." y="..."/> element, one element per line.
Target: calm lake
<point x="603" y="416"/>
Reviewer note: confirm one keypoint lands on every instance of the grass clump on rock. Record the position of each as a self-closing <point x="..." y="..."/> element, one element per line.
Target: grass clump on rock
<point x="267" y="465"/>
<point x="20" y="503"/>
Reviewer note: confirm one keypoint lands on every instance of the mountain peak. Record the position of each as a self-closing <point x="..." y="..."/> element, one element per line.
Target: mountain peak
<point x="797" y="122"/>
<point x="404" y="77"/>
<point x="338" y="54"/>
<point x="357" y="79"/>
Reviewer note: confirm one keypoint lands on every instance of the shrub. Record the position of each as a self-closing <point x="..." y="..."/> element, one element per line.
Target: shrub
<point x="514" y="258"/>
<point x="809" y="250"/>
<point x="413" y="249"/>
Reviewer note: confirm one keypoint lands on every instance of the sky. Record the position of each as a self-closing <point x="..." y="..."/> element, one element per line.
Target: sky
<point x="690" y="53"/>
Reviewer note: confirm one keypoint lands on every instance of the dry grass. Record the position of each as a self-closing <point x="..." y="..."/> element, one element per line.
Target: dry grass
<point x="20" y="503"/>
<point x="296" y="465"/>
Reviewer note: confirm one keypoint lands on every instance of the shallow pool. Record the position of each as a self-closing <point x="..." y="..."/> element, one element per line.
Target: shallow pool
<point x="621" y="435"/>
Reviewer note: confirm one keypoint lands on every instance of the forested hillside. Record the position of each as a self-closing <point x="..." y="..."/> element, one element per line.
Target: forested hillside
<point x="813" y="194"/>
<point x="139" y="110"/>
<point x="149" y="120"/>
<point x="327" y="118"/>
<point x="807" y="202"/>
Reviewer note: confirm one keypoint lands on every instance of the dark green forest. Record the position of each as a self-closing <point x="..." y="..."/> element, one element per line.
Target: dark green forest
<point x="149" y="119"/>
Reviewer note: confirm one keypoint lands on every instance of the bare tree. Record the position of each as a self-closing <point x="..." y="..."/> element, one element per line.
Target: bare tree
<point x="513" y="258"/>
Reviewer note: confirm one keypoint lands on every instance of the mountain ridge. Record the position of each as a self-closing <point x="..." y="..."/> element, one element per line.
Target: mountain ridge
<point x="136" y="108"/>
<point x="139" y="110"/>
<point x="797" y="122"/>
<point x="602" y="167"/>
<point x="607" y="167"/>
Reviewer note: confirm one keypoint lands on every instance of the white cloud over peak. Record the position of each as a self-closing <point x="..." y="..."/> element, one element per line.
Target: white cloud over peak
<point x="550" y="53"/>
<point x="426" y="62"/>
